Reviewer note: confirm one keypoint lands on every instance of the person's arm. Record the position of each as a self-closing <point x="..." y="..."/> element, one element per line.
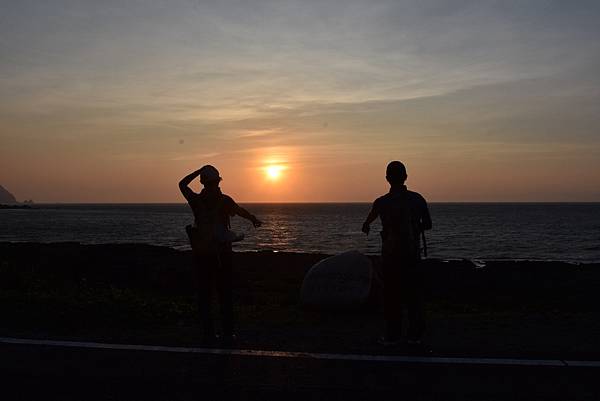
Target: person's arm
<point x="426" y="223"/>
<point x="366" y="227"/>
<point x="236" y="210"/>
<point x="240" y="211"/>
<point x="185" y="182"/>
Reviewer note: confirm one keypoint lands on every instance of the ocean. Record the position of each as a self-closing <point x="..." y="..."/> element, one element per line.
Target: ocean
<point x="479" y="231"/>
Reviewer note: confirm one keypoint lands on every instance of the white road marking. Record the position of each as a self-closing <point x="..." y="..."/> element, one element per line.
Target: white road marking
<point x="306" y="355"/>
<point x="583" y="364"/>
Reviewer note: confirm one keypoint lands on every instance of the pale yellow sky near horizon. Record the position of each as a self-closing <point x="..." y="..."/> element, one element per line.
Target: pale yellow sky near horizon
<point x="116" y="102"/>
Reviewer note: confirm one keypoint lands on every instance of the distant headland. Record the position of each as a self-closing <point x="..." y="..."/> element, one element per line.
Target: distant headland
<point x="8" y="201"/>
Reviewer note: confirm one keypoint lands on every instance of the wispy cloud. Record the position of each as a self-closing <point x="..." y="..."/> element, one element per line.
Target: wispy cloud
<point x="451" y="84"/>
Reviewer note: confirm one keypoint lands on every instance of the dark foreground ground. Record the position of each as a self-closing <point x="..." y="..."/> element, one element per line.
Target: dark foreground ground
<point x="52" y="373"/>
<point x="142" y="294"/>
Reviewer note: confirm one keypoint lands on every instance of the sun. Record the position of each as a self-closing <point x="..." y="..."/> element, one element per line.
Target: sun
<point x="273" y="172"/>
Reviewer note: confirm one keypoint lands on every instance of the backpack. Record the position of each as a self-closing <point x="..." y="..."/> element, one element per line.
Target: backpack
<point x="401" y="238"/>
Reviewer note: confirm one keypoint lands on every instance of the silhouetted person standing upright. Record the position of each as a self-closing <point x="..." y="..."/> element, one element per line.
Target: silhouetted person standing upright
<point x="211" y="240"/>
<point x="404" y="216"/>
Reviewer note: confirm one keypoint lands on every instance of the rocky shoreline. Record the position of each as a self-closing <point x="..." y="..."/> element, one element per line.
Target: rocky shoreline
<point x="145" y="294"/>
<point x="17" y="206"/>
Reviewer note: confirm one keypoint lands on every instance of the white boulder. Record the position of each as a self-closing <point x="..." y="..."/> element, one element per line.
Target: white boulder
<point x="340" y="281"/>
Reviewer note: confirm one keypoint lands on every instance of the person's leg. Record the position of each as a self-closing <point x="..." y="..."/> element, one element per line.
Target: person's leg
<point x="204" y="282"/>
<point x="225" y="290"/>
<point x="392" y="300"/>
<point x="415" y="304"/>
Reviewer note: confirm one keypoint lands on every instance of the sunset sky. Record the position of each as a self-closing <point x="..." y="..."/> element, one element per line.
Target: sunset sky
<point x="115" y="101"/>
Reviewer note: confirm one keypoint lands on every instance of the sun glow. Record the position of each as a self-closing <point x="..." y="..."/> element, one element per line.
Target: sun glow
<point x="273" y="172"/>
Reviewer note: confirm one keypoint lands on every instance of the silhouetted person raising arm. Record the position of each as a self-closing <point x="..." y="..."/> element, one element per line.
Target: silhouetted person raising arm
<point x="211" y="241"/>
<point x="404" y="216"/>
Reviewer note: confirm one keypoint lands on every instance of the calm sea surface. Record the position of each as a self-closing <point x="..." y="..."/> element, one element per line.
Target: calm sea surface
<point x="561" y="231"/>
